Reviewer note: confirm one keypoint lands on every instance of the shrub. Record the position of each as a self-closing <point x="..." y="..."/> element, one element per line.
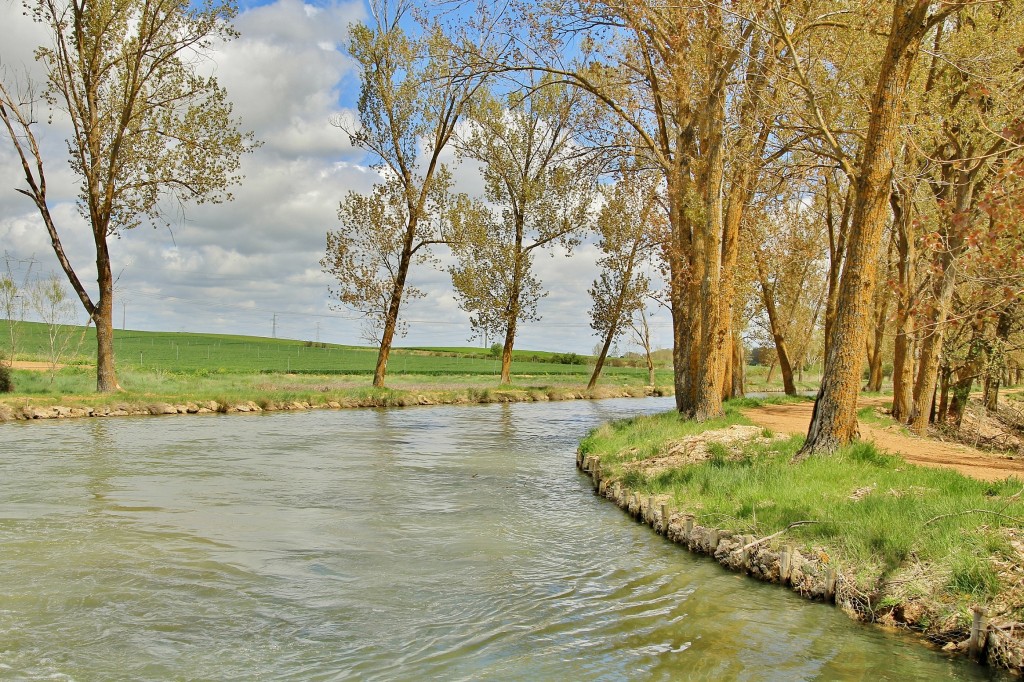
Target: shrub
<point x="6" y="381"/>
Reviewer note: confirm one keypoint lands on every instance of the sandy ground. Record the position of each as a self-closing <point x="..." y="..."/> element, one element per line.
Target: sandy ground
<point x="986" y="466"/>
<point x="38" y="366"/>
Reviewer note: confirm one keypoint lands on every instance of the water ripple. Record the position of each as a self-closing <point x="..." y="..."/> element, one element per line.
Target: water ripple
<point x="454" y="543"/>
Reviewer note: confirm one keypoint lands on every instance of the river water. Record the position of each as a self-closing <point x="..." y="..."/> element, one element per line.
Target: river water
<point x="450" y="543"/>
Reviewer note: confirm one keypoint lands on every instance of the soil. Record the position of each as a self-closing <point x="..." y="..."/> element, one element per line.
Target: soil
<point x="35" y="366"/>
<point x="988" y="466"/>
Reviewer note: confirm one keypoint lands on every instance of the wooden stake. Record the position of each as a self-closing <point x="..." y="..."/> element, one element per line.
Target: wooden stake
<point x="975" y="645"/>
<point x="785" y="564"/>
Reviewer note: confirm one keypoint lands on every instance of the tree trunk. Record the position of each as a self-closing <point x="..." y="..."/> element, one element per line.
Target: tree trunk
<point x="103" y="316"/>
<point x="973" y="367"/>
<point x="940" y="403"/>
<point x="677" y="254"/>
<point x="600" y="358"/>
<point x="834" y="420"/>
<point x="837" y="237"/>
<point x="715" y="299"/>
<point x="391" y="319"/>
<point x="902" y="359"/>
<point x="739" y="364"/>
<point x="781" y="350"/>
<point x="995" y="375"/>
<point x="875" y="341"/>
<point x="931" y="345"/>
<point x="506" y="353"/>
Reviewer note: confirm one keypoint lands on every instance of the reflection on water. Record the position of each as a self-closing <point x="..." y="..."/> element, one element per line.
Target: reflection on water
<point x="444" y="543"/>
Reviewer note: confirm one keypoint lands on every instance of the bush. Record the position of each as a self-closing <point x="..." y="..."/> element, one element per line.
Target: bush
<point x="6" y="381"/>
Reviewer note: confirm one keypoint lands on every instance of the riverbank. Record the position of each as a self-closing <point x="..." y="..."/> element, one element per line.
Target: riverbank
<point x="268" y="397"/>
<point x="889" y="542"/>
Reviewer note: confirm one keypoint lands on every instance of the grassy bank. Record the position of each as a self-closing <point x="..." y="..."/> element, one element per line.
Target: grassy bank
<point x="912" y="546"/>
<point x="177" y="368"/>
<point x="214" y="364"/>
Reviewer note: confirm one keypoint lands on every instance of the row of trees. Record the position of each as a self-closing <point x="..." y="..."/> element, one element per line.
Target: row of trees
<point x="732" y="140"/>
<point x="722" y="143"/>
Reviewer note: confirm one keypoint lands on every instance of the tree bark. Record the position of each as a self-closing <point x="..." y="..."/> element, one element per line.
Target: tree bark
<point x="902" y="359"/>
<point x="715" y="302"/>
<point x="739" y="364"/>
<point x="397" y="292"/>
<point x="778" y="336"/>
<point x="103" y="317"/>
<point x="834" y="420"/>
<point x="931" y="345"/>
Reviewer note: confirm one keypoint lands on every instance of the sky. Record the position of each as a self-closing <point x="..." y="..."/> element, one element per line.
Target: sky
<point x="251" y="266"/>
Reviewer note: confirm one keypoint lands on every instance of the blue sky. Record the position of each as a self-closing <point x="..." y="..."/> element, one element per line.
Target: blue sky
<point x="252" y="265"/>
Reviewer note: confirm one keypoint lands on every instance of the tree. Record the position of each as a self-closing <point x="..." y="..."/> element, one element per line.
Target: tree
<point x="691" y="82"/>
<point x="147" y="126"/>
<point x="834" y="420"/>
<point x="626" y="238"/>
<point x="788" y="263"/>
<point x="974" y="88"/>
<point x="54" y="306"/>
<point x="412" y="94"/>
<point x="536" y="173"/>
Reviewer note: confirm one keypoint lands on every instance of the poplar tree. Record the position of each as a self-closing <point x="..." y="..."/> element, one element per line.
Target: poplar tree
<point x="536" y="175"/>
<point x="149" y="129"/>
<point x="413" y="94"/>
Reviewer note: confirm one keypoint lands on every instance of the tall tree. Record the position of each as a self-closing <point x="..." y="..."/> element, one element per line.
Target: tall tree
<point x="689" y="82"/>
<point x="834" y="420"/>
<point x="413" y="94"/>
<point x="542" y="182"/>
<point x="627" y="235"/>
<point x="147" y="126"/>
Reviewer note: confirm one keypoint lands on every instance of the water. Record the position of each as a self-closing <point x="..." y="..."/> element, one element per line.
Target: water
<point x="452" y="543"/>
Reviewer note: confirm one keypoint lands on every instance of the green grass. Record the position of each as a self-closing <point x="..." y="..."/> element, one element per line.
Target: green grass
<point x="873" y="512"/>
<point x="210" y="354"/>
<point x="180" y="367"/>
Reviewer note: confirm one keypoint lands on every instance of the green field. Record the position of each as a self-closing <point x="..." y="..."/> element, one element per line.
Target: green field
<point x="212" y="354"/>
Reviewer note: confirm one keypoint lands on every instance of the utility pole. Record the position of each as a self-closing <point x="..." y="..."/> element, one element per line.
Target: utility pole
<point x="318" y="332"/>
<point x="273" y="332"/>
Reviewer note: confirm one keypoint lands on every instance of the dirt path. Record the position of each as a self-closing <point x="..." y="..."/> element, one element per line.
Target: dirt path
<point x="795" y="418"/>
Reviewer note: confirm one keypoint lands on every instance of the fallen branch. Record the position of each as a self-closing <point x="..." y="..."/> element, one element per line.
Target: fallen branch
<point x="973" y="511"/>
<point x="775" y="535"/>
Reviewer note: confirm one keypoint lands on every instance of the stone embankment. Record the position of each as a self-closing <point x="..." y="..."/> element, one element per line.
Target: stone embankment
<point x="29" y="411"/>
<point x="812" y="574"/>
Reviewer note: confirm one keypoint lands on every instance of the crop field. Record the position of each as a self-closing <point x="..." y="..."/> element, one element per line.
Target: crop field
<point x="183" y="352"/>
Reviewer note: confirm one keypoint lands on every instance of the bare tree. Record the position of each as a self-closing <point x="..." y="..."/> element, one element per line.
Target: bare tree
<point x="14" y="301"/>
<point x="55" y="307"/>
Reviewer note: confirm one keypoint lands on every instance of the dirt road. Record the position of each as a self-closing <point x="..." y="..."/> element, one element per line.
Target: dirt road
<point x="795" y="418"/>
